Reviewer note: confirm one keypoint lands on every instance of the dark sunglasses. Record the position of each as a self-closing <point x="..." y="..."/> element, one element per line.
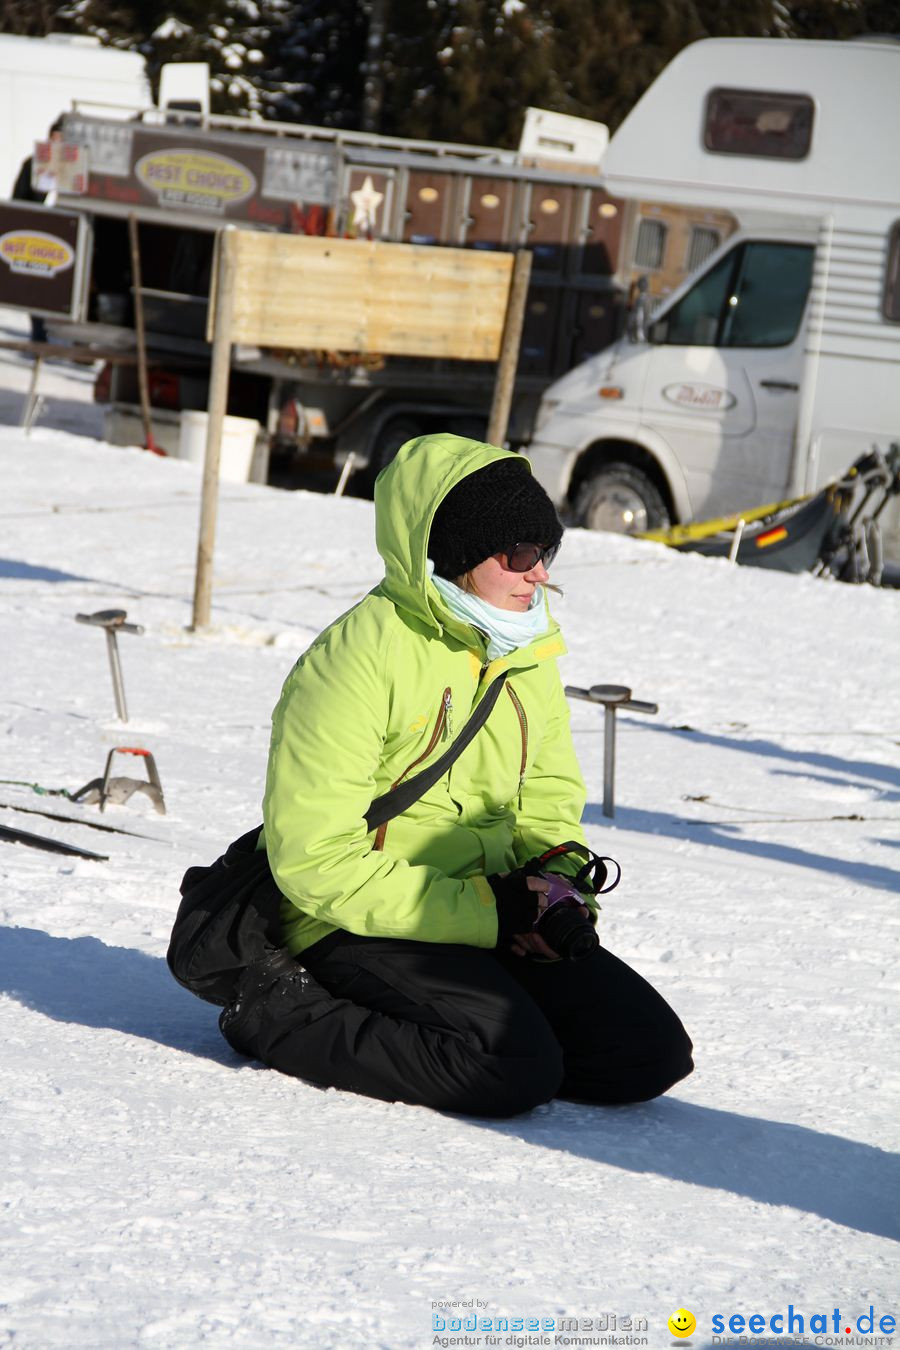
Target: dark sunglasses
<point x="523" y="557"/>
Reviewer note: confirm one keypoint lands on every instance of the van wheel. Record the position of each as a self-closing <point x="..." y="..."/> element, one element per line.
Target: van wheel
<point x="392" y="435"/>
<point x="622" y="499"/>
<point x="396" y="433"/>
<point x="473" y="428"/>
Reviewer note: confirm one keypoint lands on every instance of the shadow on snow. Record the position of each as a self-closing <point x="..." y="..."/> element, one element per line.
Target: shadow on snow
<point x="23" y="571"/>
<point x="84" y="981"/>
<point x="758" y="746"/>
<point x="729" y="836"/>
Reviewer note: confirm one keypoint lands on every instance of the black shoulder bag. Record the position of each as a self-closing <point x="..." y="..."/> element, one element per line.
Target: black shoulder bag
<point x="229" y="916"/>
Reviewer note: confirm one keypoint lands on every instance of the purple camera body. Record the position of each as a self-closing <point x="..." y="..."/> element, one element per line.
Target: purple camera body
<point x="559" y="892"/>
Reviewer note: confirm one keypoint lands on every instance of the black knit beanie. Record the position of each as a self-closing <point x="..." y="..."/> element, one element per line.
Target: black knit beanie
<point x="488" y="512"/>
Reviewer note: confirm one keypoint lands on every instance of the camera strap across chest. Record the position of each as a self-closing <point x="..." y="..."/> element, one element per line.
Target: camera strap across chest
<point x="230" y="912"/>
<point x="400" y="798"/>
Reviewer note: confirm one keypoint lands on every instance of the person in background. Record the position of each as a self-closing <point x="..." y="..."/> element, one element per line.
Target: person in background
<point x="44" y="193"/>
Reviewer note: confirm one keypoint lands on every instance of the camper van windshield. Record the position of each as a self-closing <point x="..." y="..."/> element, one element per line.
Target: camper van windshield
<point x="753" y="297"/>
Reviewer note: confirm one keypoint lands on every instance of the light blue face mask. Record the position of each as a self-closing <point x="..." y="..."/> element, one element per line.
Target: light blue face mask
<point x="505" y="629"/>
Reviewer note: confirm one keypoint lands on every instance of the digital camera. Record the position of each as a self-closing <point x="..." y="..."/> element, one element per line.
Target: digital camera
<point x="562" y="924"/>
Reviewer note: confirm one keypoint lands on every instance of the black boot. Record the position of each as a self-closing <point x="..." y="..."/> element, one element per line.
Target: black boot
<point x="238" y="1019"/>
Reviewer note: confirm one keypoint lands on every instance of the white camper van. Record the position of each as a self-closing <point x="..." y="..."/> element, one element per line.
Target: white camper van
<point x="771" y="368"/>
<point x="40" y="78"/>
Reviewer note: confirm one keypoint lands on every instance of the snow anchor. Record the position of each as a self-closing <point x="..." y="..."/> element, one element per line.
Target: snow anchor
<point x="613" y="697"/>
<point x="118" y="790"/>
<point x="112" y="621"/>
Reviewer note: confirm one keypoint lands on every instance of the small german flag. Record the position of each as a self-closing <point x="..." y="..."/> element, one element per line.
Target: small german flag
<point x="771" y="537"/>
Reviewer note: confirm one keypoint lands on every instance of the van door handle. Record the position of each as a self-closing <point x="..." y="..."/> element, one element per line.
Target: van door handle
<point x="778" y="384"/>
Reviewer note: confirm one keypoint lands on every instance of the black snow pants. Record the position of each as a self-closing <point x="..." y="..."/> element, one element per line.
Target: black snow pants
<point x="459" y="1028"/>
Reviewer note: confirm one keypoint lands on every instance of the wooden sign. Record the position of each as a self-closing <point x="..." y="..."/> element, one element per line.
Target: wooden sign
<point x="364" y="296"/>
<point x="273" y="290"/>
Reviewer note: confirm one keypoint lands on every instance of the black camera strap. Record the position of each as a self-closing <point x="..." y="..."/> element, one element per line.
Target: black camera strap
<point x="400" y="798"/>
<point x="229" y="918"/>
<point x="591" y="878"/>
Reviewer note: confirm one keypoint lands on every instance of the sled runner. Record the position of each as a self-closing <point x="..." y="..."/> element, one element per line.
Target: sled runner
<point x="833" y="533"/>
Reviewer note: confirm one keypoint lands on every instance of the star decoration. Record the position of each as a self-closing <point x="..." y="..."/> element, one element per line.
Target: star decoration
<point x="366" y="202"/>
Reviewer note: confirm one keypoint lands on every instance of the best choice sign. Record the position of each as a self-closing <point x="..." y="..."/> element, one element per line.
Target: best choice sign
<point x="223" y="175"/>
<point x="41" y="259"/>
<point x="35" y="253"/>
<point x="194" y="178"/>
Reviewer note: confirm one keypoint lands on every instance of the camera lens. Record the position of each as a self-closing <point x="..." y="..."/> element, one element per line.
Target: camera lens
<point x="569" y="933"/>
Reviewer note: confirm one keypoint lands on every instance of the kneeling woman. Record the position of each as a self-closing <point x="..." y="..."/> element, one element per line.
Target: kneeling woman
<point x="415" y="971"/>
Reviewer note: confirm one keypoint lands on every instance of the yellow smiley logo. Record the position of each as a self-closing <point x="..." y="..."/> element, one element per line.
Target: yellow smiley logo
<point x="682" y="1323"/>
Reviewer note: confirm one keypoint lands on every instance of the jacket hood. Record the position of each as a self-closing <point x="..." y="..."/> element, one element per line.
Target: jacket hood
<point x="407" y="494"/>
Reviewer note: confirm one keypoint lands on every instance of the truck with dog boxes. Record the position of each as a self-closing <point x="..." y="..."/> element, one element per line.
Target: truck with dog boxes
<point x="183" y="174"/>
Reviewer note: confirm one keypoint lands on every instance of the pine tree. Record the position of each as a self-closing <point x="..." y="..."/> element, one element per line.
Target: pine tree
<point x="465" y="71"/>
<point x="416" y="48"/>
<point x="456" y="70"/>
<point x="841" y="18"/>
<point x="315" y="71"/>
<point x="27" y="18"/>
<point x="232" y="36"/>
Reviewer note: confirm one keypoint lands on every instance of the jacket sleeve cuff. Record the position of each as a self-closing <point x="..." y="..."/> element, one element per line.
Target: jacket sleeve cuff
<point x="487" y="912"/>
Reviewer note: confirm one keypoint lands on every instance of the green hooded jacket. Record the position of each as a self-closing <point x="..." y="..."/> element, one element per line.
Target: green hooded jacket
<point x="380" y="694"/>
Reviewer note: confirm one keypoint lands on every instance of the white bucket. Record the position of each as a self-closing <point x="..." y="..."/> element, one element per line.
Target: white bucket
<point x="238" y="442"/>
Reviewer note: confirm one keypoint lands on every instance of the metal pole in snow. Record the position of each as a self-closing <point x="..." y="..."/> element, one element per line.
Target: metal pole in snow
<point x="115" y="666"/>
<point x="613" y="697"/>
<point x="609" y="759"/>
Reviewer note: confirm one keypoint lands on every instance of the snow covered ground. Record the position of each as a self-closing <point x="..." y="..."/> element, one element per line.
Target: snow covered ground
<point x="160" y="1192"/>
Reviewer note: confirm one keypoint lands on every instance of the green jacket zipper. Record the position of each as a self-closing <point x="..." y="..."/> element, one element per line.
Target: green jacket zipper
<point x="442" y="724"/>
<point x="523" y="727"/>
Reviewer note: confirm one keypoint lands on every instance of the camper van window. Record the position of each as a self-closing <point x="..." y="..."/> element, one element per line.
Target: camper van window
<point x="769" y="296"/>
<point x="703" y="243"/>
<point x="890" y="307"/>
<point x="695" y="320"/>
<point x="650" y="244"/>
<point x="751" y="122"/>
<point x="753" y="297"/>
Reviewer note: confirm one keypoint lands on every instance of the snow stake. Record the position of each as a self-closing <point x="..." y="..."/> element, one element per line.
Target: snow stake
<point x="119" y="790"/>
<point x="613" y="697"/>
<point x="112" y="621"/>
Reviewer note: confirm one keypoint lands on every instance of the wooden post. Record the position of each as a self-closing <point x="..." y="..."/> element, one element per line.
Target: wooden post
<point x="509" y="349"/>
<point x="149" y="442"/>
<point x="222" y="298"/>
<point x="32" y="398"/>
